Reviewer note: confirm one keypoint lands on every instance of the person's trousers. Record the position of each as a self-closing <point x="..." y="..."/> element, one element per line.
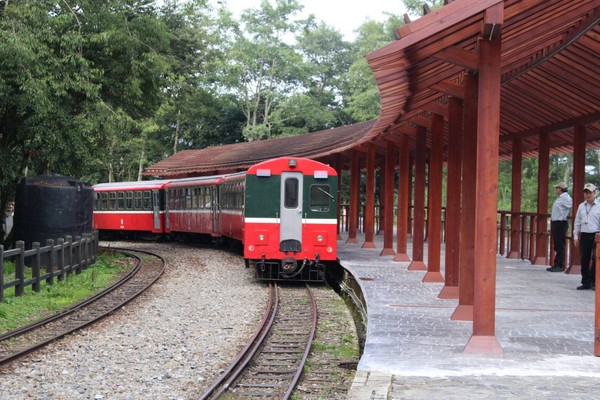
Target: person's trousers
<point x="587" y="247"/>
<point x="559" y="237"/>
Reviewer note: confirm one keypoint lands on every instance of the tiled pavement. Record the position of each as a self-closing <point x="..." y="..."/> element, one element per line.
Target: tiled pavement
<point x="414" y="351"/>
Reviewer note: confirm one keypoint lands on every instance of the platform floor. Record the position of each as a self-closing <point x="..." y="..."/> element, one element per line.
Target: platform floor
<point x="413" y="349"/>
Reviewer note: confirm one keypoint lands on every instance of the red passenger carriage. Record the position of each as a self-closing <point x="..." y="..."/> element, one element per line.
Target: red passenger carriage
<point x="132" y="207"/>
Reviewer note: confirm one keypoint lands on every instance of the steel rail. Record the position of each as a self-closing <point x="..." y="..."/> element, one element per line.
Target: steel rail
<point x="311" y="336"/>
<point x="82" y="305"/>
<point x="241" y="361"/>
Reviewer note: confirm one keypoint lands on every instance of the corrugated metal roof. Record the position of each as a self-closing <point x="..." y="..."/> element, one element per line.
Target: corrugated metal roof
<point x="234" y="157"/>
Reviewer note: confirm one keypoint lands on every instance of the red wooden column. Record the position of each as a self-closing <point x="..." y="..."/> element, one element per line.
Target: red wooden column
<point x="338" y="169"/>
<point x="541" y="246"/>
<point x="388" y="195"/>
<point x="515" y="206"/>
<point x="353" y="203"/>
<point x="453" y="194"/>
<point x="434" y="219"/>
<point x="464" y="310"/>
<point x="403" y="200"/>
<point x="417" y="263"/>
<point x="578" y="182"/>
<point x="370" y="199"/>
<point x="484" y="339"/>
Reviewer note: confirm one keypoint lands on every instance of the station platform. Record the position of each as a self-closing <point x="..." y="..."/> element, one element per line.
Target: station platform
<point x="414" y="350"/>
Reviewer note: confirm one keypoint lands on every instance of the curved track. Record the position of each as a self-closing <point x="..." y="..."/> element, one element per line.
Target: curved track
<point x="272" y="362"/>
<point x="34" y="336"/>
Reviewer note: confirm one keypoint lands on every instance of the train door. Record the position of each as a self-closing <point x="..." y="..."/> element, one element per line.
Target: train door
<point x="156" y="209"/>
<point x="215" y="209"/>
<point x="167" y="201"/>
<point x="290" y="206"/>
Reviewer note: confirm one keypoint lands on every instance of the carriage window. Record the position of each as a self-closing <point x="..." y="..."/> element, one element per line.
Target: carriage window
<point x="320" y="198"/>
<point x="129" y="199"/>
<point x="104" y="200"/>
<point x="147" y="200"/>
<point x="291" y="193"/>
<point x="137" y="200"/>
<point x="188" y="199"/>
<point x="120" y="201"/>
<point x="112" y="200"/>
<point x="97" y="204"/>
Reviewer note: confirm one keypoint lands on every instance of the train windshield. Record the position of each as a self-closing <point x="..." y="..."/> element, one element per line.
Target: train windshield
<point x="320" y="198"/>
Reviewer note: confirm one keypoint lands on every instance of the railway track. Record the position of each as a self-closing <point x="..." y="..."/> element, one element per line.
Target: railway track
<point x="272" y="362"/>
<point x="19" y="342"/>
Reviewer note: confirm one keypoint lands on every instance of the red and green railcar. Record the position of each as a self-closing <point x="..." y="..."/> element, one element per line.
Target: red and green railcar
<point x="290" y="219"/>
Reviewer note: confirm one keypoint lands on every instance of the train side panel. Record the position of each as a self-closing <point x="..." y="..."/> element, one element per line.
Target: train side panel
<point x="231" y="206"/>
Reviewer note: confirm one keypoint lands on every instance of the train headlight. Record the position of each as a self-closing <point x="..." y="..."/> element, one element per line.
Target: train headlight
<point x="250" y="248"/>
<point x="330" y="249"/>
<point x="320" y="238"/>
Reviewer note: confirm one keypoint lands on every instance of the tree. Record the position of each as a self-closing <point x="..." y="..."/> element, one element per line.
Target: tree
<point x="261" y="67"/>
<point x="360" y="89"/>
<point x="416" y="7"/>
<point x="76" y="82"/>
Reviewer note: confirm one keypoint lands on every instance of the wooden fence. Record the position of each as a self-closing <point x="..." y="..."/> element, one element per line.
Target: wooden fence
<point x="520" y="226"/>
<point x="58" y="260"/>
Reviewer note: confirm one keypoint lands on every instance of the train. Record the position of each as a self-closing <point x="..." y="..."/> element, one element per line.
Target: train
<point x="282" y="211"/>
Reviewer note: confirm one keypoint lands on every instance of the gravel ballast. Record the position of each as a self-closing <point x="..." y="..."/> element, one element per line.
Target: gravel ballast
<point x="169" y="343"/>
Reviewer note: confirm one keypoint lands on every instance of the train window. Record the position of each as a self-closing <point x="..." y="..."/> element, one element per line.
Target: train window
<point x="137" y="200"/>
<point x="147" y="200"/>
<point x="291" y="193"/>
<point x="104" y="200"/>
<point x="188" y="199"/>
<point x="320" y="198"/>
<point x="120" y="200"/>
<point x="129" y="199"/>
<point x="112" y="200"/>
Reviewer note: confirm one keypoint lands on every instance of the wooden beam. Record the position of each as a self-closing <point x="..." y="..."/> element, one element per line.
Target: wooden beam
<point x="484" y="339"/>
<point x="369" y="227"/>
<point x="492" y="21"/>
<point x="435" y="107"/>
<point x="417" y="263"/>
<point x="354" y="193"/>
<point x="403" y="200"/>
<point x="420" y="120"/>
<point x="568" y="123"/>
<point x="516" y="199"/>
<point x="388" y="204"/>
<point x="459" y="56"/>
<point x="434" y="212"/>
<point x="450" y="88"/>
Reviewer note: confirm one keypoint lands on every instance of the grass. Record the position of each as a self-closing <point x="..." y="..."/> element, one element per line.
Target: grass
<point x="31" y="306"/>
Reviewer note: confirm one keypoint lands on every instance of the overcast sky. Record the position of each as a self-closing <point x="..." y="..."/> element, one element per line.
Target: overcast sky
<point x="344" y="15"/>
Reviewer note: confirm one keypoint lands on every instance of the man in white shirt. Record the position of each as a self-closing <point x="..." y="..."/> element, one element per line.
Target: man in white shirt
<point x="559" y="225"/>
<point x="586" y="224"/>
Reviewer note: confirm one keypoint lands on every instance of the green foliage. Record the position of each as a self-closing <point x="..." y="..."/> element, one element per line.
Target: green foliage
<point x="18" y="311"/>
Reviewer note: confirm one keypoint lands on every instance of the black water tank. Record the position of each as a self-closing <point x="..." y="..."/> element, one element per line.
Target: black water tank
<point x="52" y="207"/>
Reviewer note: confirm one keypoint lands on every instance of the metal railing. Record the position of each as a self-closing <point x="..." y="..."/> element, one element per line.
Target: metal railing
<point x="57" y="260"/>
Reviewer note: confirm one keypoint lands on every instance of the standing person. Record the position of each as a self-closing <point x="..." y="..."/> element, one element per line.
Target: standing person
<point x="558" y="225"/>
<point x="587" y="223"/>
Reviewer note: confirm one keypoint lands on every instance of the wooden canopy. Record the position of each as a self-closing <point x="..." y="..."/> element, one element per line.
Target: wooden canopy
<point x="549" y="62"/>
